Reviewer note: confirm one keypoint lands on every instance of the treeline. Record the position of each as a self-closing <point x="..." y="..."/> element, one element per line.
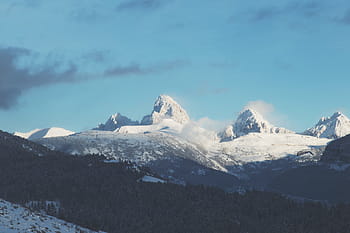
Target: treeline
<point x="109" y="197"/>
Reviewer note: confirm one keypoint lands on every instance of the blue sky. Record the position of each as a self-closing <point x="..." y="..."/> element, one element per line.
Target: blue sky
<point x="73" y="63"/>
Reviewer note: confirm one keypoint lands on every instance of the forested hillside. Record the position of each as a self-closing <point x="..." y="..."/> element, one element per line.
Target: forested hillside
<point x="111" y="197"/>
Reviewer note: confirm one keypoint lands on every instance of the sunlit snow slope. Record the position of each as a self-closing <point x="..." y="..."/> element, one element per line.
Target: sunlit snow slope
<point x="44" y="133"/>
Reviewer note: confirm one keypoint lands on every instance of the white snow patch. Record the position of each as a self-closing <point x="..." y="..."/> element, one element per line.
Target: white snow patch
<point x="45" y="133"/>
<point x="152" y="179"/>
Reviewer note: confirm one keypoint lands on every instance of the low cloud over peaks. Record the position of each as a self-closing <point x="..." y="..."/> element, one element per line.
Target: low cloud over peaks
<point x="137" y="69"/>
<point x="268" y="111"/>
<point x="260" y="106"/>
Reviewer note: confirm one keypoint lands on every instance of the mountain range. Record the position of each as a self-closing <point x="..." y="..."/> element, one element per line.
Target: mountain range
<point x="179" y="149"/>
<point x="248" y="121"/>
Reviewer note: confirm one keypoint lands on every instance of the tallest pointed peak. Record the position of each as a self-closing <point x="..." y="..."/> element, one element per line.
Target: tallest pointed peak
<point x="338" y="114"/>
<point x="164" y="100"/>
<point x="165" y="97"/>
<point x="249" y="112"/>
<point x="166" y="107"/>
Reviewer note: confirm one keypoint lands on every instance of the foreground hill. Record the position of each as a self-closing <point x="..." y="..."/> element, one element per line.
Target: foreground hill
<point x="15" y="218"/>
<point x="113" y="197"/>
<point x="326" y="180"/>
<point x="338" y="150"/>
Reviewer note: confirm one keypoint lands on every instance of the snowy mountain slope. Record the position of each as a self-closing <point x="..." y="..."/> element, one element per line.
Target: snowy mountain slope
<point x="257" y="147"/>
<point x="166" y="153"/>
<point x="166" y="107"/>
<point x="144" y="148"/>
<point x="336" y="126"/>
<point x="15" y="219"/>
<point x="44" y="133"/>
<point x="166" y="125"/>
<point x="137" y="147"/>
<point x="115" y="122"/>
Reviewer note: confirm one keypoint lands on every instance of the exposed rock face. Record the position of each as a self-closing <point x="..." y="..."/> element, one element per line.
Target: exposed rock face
<point x="338" y="150"/>
<point x="336" y="126"/>
<point x="166" y="108"/>
<point x="115" y="122"/>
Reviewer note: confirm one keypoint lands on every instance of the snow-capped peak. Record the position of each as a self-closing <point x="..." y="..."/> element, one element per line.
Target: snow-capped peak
<point x="45" y="133"/>
<point x="166" y="107"/>
<point x="250" y="121"/>
<point x="115" y="122"/>
<point x="336" y="126"/>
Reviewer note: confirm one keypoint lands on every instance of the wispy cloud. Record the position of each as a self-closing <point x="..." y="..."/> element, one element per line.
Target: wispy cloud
<point x="269" y="112"/>
<point x="16" y="78"/>
<point x="260" y="106"/>
<point x="137" y="69"/>
<point x="207" y="89"/>
<point x="298" y="8"/>
<point x="140" y="5"/>
<point x="85" y="15"/>
<point x="344" y="19"/>
<point x="96" y="56"/>
<point x="24" y="3"/>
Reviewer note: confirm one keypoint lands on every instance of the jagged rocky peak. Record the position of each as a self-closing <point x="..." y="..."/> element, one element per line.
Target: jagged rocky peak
<point x="115" y="122"/>
<point x="250" y="121"/>
<point x="166" y="107"/>
<point x="336" y="126"/>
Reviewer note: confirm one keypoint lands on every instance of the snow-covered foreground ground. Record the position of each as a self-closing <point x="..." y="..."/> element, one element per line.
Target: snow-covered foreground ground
<point x="16" y="219"/>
